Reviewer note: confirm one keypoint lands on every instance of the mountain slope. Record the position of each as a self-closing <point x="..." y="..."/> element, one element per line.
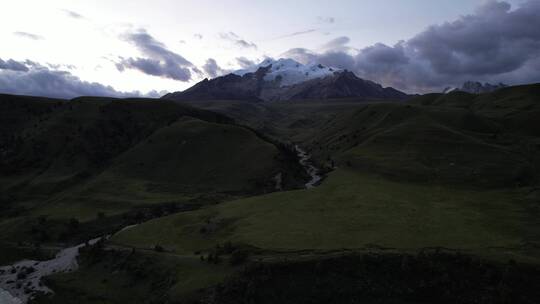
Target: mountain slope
<point x="110" y="154"/>
<point x="474" y="87"/>
<point x="289" y="72"/>
<point x="339" y="85"/>
<point x="286" y="80"/>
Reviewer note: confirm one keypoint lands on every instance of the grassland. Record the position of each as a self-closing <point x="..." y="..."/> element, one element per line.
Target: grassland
<point x="99" y="157"/>
<point x="141" y="277"/>
<point x="352" y="210"/>
<point x="455" y="171"/>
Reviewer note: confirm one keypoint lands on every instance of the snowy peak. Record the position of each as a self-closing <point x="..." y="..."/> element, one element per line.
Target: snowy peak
<point x="284" y="80"/>
<point x="287" y="72"/>
<point x="475" y="87"/>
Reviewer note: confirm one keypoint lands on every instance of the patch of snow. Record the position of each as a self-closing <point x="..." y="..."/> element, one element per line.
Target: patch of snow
<point x="289" y="71"/>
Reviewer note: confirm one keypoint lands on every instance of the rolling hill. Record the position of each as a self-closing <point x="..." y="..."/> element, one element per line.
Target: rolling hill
<point x="73" y="159"/>
<point x="441" y="188"/>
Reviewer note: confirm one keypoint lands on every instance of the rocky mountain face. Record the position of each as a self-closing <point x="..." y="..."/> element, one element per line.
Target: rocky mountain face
<point x="343" y="84"/>
<point x="475" y="87"/>
<point x="285" y="80"/>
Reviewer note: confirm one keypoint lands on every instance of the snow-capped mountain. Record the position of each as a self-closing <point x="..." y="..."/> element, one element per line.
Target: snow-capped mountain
<point x="475" y="87"/>
<point x="286" y="79"/>
<point x="287" y="72"/>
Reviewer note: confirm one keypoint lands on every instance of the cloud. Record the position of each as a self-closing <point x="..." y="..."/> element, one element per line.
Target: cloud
<point x="245" y="63"/>
<point x="337" y="44"/>
<point x="237" y="40"/>
<point x="496" y="43"/>
<point x="301" y="55"/>
<point x="297" y="34"/>
<point x="159" y="61"/>
<point x="28" y="35"/>
<point x="322" y="19"/>
<point x="73" y="14"/>
<point x="13" y="65"/>
<point x="212" y="69"/>
<point x="38" y="80"/>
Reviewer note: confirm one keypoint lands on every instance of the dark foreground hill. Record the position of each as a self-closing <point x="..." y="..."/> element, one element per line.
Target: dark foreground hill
<point x="100" y="154"/>
<point x="432" y="200"/>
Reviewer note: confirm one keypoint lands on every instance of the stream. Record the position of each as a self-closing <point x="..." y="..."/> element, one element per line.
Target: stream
<point x="21" y="281"/>
<point x="305" y="161"/>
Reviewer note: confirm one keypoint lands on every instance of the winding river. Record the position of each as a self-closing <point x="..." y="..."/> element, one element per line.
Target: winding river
<point x="21" y="281"/>
<point x="305" y="161"/>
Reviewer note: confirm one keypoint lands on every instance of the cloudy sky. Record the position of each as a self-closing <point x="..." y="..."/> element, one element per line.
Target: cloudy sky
<point x="67" y="48"/>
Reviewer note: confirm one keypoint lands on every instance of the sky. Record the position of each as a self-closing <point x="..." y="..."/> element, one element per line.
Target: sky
<point x="68" y="48"/>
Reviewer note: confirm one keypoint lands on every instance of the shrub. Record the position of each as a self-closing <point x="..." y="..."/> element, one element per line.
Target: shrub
<point x="239" y="257"/>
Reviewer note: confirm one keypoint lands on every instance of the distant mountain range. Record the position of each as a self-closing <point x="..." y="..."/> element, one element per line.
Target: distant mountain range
<point x="475" y="87"/>
<point x="286" y="79"/>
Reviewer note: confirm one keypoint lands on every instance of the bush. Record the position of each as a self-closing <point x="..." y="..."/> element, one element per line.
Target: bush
<point x="239" y="257"/>
<point x="73" y="224"/>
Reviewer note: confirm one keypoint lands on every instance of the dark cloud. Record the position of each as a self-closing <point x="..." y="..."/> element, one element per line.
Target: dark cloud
<point x="13" y="65"/>
<point x="245" y="63"/>
<point x="56" y="66"/>
<point x="337" y="59"/>
<point x="496" y="43"/>
<point x="337" y="44"/>
<point x="159" y="61"/>
<point x="494" y="40"/>
<point x="73" y="14"/>
<point x="38" y="80"/>
<point x="28" y="35"/>
<point x="301" y="55"/>
<point x="237" y="40"/>
<point x="212" y="69"/>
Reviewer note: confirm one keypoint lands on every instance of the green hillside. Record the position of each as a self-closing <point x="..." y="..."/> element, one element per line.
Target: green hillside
<point x="126" y="160"/>
<point x="488" y="140"/>
<point x="437" y="191"/>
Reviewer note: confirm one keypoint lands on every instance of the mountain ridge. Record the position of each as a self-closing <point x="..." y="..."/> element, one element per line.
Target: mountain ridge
<point x="476" y="87"/>
<point x="286" y="80"/>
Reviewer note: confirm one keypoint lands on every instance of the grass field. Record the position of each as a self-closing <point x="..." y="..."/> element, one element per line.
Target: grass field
<point x="455" y="171"/>
<point x="178" y="163"/>
<point x="353" y="210"/>
<point x="143" y="277"/>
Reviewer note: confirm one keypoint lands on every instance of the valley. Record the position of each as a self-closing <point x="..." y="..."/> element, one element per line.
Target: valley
<point x="214" y="195"/>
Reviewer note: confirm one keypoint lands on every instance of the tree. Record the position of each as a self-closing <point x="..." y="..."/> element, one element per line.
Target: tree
<point x="73" y="224"/>
<point x="239" y="257"/>
<point x="101" y="215"/>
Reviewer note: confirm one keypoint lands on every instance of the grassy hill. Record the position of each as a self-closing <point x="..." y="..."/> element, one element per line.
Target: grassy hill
<point x="455" y="173"/>
<point x="189" y="160"/>
<point x="488" y="140"/>
<point x="352" y="210"/>
<point x="75" y="160"/>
